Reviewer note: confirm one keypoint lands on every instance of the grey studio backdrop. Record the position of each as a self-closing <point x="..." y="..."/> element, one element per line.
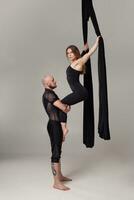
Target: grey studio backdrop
<point x="33" y="38"/>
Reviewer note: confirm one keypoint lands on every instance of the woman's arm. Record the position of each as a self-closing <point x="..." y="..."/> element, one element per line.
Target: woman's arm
<point x="85" y="58"/>
<point x="86" y="46"/>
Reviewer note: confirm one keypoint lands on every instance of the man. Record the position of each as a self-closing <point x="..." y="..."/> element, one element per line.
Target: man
<point x="53" y="107"/>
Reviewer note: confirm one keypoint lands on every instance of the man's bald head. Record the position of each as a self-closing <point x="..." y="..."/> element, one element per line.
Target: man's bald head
<point x="49" y="82"/>
<point x="46" y="79"/>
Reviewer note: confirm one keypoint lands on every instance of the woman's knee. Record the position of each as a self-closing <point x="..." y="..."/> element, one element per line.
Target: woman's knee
<point x="84" y="93"/>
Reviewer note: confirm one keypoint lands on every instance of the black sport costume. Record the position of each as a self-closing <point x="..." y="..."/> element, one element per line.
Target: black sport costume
<point x="79" y="93"/>
<point x="54" y="127"/>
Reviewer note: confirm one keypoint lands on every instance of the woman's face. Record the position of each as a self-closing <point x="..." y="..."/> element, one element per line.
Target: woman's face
<point x="70" y="55"/>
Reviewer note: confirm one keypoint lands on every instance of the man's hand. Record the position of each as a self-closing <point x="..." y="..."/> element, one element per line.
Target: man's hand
<point x="67" y="108"/>
<point x="64" y="107"/>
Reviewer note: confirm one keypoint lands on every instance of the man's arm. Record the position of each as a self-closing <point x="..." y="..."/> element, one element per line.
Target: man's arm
<point x="65" y="108"/>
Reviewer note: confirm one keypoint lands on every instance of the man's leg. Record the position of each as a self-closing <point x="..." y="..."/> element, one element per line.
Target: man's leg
<point x="56" y="174"/>
<point x="56" y="137"/>
<point x="63" y="178"/>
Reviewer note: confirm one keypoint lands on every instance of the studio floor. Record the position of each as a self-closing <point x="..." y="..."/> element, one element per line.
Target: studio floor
<point x="30" y="178"/>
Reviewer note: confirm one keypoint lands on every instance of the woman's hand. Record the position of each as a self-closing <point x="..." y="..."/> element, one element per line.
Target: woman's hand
<point x="86" y="46"/>
<point x="85" y="58"/>
<point x="97" y="40"/>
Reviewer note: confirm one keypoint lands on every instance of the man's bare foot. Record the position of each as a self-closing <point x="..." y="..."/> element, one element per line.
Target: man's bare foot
<point x="60" y="186"/>
<point x="63" y="178"/>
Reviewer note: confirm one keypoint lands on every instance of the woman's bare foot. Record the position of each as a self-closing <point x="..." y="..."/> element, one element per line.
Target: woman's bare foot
<point x="65" y="131"/>
<point x="63" y="178"/>
<point x="63" y="138"/>
<point x="60" y="186"/>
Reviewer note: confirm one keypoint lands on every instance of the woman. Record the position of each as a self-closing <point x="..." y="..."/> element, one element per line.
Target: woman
<point x="77" y="66"/>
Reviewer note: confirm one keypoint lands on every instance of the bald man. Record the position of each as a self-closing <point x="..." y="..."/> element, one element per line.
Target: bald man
<point x="53" y="107"/>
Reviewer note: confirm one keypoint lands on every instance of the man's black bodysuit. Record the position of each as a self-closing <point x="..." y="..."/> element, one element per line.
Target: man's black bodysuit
<point x="54" y="127"/>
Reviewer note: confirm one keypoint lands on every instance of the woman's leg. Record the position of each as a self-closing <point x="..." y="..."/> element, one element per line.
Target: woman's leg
<point x="80" y="94"/>
<point x="64" y="129"/>
<point x="71" y="99"/>
<point x="75" y="97"/>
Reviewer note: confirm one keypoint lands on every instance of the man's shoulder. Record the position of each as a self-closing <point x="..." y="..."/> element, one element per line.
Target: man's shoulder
<point x="55" y="94"/>
<point x="50" y="92"/>
<point x="47" y="91"/>
<point x="49" y="95"/>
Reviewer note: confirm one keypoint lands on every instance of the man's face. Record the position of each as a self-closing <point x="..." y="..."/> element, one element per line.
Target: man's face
<point x="52" y="83"/>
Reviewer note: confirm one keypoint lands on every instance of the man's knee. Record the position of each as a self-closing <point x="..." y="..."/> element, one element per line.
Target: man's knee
<point x="55" y="159"/>
<point x="56" y="153"/>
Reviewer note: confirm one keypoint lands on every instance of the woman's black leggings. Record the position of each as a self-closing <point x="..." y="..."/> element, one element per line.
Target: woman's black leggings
<point x="79" y="94"/>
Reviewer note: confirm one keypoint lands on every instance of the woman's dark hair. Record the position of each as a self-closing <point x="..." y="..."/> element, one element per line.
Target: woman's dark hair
<point x="75" y="50"/>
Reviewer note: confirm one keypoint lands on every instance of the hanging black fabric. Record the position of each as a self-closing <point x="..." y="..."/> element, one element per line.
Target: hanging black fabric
<point x="88" y="112"/>
<point x="88" y="107"/>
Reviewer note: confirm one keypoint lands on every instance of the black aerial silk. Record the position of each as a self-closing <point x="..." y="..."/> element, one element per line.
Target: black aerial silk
<point x="88" y="111"/>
